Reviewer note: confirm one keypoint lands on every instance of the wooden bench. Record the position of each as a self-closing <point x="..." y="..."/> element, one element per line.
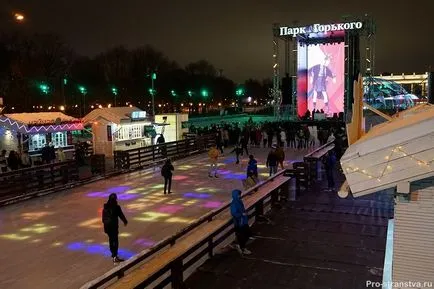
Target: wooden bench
<point x="156" y="267"/>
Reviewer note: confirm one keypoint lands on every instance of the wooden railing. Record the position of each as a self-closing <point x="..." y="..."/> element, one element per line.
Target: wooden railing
<point x="26" y="182"/>
<point x="141" y="157"/>
<point x="314" y="159"/>
<point x="167" y="265"/>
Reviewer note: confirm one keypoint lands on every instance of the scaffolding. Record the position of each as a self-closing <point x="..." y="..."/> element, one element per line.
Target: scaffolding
<point x="354" y="41"/>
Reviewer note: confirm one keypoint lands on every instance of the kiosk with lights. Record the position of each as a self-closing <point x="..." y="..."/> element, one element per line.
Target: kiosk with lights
<point x="32" y="131"/>
<point x="119" y="128"/>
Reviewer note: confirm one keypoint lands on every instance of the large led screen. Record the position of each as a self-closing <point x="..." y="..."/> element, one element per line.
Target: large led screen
<point x="326" y="77"/>
<point x="321" y="77"/>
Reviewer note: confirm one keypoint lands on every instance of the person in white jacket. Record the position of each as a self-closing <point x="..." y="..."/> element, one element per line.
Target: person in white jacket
<point x="282" y="139"/>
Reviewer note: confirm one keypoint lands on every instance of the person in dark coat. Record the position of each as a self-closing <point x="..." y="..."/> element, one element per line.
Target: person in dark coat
<point x="272" y="160"/>
<point x="238" y="151"/>
<point x="252" y="167"/>
<point x="241" y="222"/>
<point x="13" y="161"/>
<point x="111" y="214"/>
<point x="166" y="172"/>
<point x="329" y="166"/>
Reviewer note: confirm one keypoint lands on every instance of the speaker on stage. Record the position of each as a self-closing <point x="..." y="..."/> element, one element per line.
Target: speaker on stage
<point x="286" y="90"/>
<point x="431" y="87"/>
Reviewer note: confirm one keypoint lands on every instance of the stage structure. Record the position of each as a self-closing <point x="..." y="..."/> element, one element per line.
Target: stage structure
<point x="317" y="64"/>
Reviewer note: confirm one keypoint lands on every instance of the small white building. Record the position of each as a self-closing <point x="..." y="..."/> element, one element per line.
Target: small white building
<point x="172" y="125"/>
<point x="118" y="128"/>
<point x="399" y="154"/>
<point x="32" y="131"/>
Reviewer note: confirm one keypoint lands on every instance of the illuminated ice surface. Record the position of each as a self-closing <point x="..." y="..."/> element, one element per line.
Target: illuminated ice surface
<point x="57" y="241"/>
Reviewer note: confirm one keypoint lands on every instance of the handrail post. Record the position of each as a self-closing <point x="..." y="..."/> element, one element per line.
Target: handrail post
<point x="177" y="274"/>
<point x="210" y="248"/>
<point x="259" y="208"/>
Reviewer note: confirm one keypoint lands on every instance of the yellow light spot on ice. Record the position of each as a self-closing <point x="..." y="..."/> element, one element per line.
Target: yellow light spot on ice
<point x="36" y="241"/>
<point x="57" y="244"/>
<point x="178" y="220"/>
<point x="124" y="235"/>
<point x="39" y="229"/>
<point x="151" y="216"/>
<point x="35" y="215"/>
<point x="94" y="223"/>
<point x="89" y="241"/>
<point x="16" y="237"/>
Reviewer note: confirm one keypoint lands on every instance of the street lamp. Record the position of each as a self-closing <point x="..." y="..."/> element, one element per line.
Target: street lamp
<point x="44" y="88"/>
<point x="115" y="93"/>
<point x="204" y="93"/>
<point x="19" y="17"/>
<point x="83" y="91"/>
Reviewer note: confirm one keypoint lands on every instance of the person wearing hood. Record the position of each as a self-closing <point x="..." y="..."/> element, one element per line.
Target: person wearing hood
<point x="252" y="167"/>
<point x="241" y="222"/>
<point x="111" y="214"/>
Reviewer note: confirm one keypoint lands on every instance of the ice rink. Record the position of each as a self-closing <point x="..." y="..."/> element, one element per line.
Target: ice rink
<point x="57" y="241"/>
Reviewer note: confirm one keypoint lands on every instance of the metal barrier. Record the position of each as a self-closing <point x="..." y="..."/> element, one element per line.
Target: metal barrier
<point x="25" y="182"/>
<point x="177" y="266"/>
<point x="141" y="157"/>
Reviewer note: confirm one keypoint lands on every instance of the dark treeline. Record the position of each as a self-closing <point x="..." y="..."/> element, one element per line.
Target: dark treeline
<point x="44" y="70"/>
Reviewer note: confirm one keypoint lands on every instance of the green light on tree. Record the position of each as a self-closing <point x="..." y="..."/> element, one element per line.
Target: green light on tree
<point x="65" y="81"/>
<point x="190" y="93"/>
<point x="173" y="92"/>
<point x="151" y="91"/>
<point x="154" y="76"/>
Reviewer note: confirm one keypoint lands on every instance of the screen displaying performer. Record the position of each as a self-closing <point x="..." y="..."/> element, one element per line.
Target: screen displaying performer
<point x="326" y="77"/>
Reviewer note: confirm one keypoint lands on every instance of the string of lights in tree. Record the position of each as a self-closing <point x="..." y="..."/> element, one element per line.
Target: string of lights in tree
<point x="388" y="167"/>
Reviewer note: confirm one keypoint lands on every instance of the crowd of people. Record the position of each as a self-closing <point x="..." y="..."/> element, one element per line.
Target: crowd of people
<point x="15" y="160"/>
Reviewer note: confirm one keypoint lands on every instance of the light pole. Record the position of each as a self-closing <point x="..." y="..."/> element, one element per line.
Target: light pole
<point x="83" y="91"/>
<point x="153" y="77"/>
<point x="115" y="93"/>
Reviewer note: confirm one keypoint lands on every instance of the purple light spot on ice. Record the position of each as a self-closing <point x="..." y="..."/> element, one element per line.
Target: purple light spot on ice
<point x="75" y="246"/>
<point x="197" y="196"/>
<point x="97" y="194"/>
<point x="212" y="205"/>
<point x="171" y="209"/>
<point x="127" y="197"/>
<point x="119" y="189"/>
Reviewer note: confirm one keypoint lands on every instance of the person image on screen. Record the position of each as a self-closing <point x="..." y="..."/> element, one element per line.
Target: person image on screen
<point x="319" y="75"/>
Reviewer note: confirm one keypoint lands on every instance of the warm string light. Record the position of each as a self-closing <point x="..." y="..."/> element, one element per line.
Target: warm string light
<point x="388" y="167"/>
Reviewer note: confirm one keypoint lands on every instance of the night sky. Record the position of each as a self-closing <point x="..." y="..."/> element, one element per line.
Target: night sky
<point x="235" y="35"/>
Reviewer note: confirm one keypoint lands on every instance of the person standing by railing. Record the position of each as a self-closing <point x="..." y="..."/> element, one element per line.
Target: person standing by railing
<point x="241" y="222"/>
<point x="3" y="162"/>
<point x="111" y="214"/>
<point x="213" y="155"/>
<point x="272" y="160"/>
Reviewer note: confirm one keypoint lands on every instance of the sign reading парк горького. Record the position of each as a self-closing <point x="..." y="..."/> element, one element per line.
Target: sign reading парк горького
<point x="319" y="28"/>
